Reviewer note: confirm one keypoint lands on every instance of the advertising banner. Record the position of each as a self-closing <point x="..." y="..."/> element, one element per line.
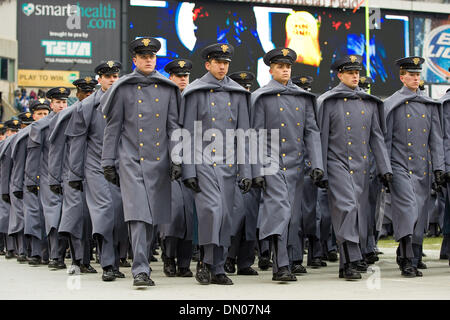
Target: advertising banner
<point x="67" y="35"/>
<point x="46" y="78"/>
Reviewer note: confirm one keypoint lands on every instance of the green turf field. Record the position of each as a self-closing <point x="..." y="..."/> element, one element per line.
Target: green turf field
<point x="428" y="243"/>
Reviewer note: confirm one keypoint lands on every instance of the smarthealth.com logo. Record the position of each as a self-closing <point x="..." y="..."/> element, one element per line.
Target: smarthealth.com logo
<point x="99" y="17"/>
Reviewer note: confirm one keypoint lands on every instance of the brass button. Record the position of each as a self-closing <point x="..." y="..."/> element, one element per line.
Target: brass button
<point x="212" y="103"/>
<point x="230" y="165"/>
<point x="349" y="143"/>
<point x="213" y="134"/>
<point x="296" y="109"/>
<point x="284" y="169"/>
<point x="364" y="142"/>
<point x="410" y="172"/>
<point x="364" y="171"/>
<point x="278" y="94"/>
<point x="142" y="159"/>
<point x="141" y="144"/>
<point x="157" y="129"/>
<point x="423" y="116"/>
<point x="362" y="112"/>
<point x="424" y="173"/>
<point x="299" y="153"/>
<point x="298" y="124"/>
<point x="140" y="115"/>
<point x="140" y="130"/>
<point x="351" y="171"/>
<point x="408" y="115"/>
<point x="139" y="87"/>
<point x="347" y="113"/>
<point x="284" y="154"/>
<point x="423" y="158"/>
<point x="140" y="101"/>
<point x="281" y="109"/>
<point x="282" y="124"/>
<point x="157" y="158"/>
<point x="213" y="150"/>
<point x="211" y="90"/>
<point x="409" y="144"/>
<point x="104" y="116"/>
<point x="229" y="103"/>
<point x="409" y="129"/>
<point x="364" y="127"/>
<point x="350" y="158"/>
<point x="230" y="119"/>
<point x="349" y="128"/>
<point x="156" y="99"/>
<point x="38" y="188"/>
<point x="364" y="157"/>
<point x="409" y="158"/>
<point x="213" y="119"/>
<point x="298" y="139"/>
<point x="157" y="115"/>
<point x="345" y="99"/>
<point x="157" y="144"/>
<point x="37" y="177"/>
<point x="283" y="140"/>
<point x="424" y="130"/>
<point x="156" y="86"/>
<point x="406" y="102"/>
<point x="424" y="145"/>
<point x="214" y="164"/>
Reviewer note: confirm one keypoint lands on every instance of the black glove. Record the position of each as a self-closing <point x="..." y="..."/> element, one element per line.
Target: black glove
<point x="259" y="182"/>
<point x="436" y="187"/>
<point x="111" y="175"/>
<point x="6" y="198"/>
<point x="175" y="171"/>
<point x="77" y="185"/>
<point x="323" y="184"/>
<point x="192" y="183"/>
<point x="386" y="179"/>
<point x="33" y="189"/>
<point x="316" y="175"/>
<point x="18" y="194"/>
<point x="439" y="177"/>
<point x="56" y="188"/>
<point x="245" y="185"/>
<point x="447" y="177"/>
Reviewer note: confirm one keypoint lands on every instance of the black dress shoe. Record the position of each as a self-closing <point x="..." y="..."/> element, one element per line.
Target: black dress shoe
<point x="170" y="268"/>
<point x="22" y="258"/>
<point x="87" y="268"/>
<point x="221" y="279"/>
<point x="408" y="271"/>
<point x="443" y="257"/>
<point x="332" y="256"/>
<point x="315" y="263"/>
<point x="230" y="265"/>
<point x="184" y="273"/>
<point x="360" y="266"/>
<point x="45" y="262"/>
<point x="283" y="274"/>
<point x="421" y="265"/>
<point x="2" y="252"/>
<point x="297" y="268"/>
<point x="34" y="261"/>
<point x="203" y="276"/>
<point x="247" y="272"/>
<point x="59" y="265"/>
<point x="155" y="253"/>
<point x="108" y="275"/>
<point x="371" y="258"/>
<point x="10" y="255"/>
<point x="349" y="273"/>
<point x="264" y="263"/>
<point x="118" y="274"/>
<point x="124" y="263"/>
<point x="153" y="259"/>
<point x="418" y="273"/>
<point x="143" y="280"/>
<point x="52" y="264"/>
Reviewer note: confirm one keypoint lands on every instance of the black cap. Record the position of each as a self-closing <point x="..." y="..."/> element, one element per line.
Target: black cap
<point x="86" y="84"/>
<point x="144" y="45"/>
<point x="303" y="82"/>
<point x="13" y="124"/>
<point x="25" y="117"/>
<point x="39" y="104"/>
<point x="218" y="51"/>
<point x="365" y="82"/>
<point x="179" y="67"/>
<point x="108" y="67"/>
<point x="244" y="78"/>
<point x="411" y="64"/>
<point x="280" y="55"/>
<point x="60" y="93"/>
<point x="348" y="63"/>
<point x="2" y="128"/>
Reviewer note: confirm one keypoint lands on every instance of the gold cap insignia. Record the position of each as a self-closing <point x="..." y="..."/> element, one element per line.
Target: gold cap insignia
<point x="303" y="79"/>
<point x="362" y="79"/>
<point x="421" y="83"/>
<point x="224" y="48"/>
<point x="88" y="79"/>
<point x="181" y="63"/>
<point x="416" y="61"/>
<point x="285" y="52"/>
<point x="353" y="59"/>
<point x="146" y="41"/>
<point x="42" y="100"/>
<point x="62" y="90"/>
<point x="243" y="75"/>
<point x="110" y="63"/>
<point x="15" y="122"/>
<point x="28" y="115"/>
<point x="1" y="125"/>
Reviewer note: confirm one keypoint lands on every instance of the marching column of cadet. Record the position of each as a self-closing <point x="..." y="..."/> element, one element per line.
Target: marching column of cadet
<point x="105" y="173"/>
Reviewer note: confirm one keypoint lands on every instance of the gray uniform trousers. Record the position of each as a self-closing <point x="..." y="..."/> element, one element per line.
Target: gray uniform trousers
<point x="141" y="235"/>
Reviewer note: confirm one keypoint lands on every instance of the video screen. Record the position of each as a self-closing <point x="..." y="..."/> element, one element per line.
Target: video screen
<point x="318" y="35"/>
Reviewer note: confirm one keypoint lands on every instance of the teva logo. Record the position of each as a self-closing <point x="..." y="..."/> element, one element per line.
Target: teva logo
<point x="67" y="48"/>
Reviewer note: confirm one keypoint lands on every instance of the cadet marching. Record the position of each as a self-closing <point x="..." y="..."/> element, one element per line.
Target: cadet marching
<point x="107" y="174"/>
